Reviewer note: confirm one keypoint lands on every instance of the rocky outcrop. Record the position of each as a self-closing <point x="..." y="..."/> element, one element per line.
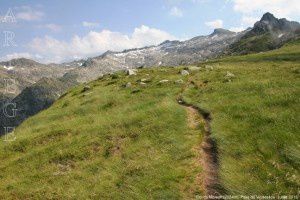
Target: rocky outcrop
<point x="267" y="34"/>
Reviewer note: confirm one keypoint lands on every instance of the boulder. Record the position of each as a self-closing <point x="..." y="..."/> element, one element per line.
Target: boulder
<point x="184" y="72"/>
<point x="86" y="88"/>
<point x="209" y="67"/>
<point x="180" y="81"/>
<point x="143" y="80"/>
<point x="163" y="81"/>
<point x="131" y="72"/>
<point x="229" y="75"/>
<point x="128" y="85"/>
<point x="193" y="68"/>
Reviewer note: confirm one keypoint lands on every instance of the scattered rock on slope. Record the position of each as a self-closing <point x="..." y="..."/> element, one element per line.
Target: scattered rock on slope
<point x="184" y="72"/>
<point x="131" y="72"/>
<point x="163" y="81"/>
<point x="180" y="81"/>
<point x="229" y="75"/>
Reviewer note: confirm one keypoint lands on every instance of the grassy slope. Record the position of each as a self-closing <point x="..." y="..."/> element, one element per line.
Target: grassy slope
<point x="116" y="142"/>
<point x="108" y="142"/>
<point x="254" y="44"/>
<point x="256" y="119"/>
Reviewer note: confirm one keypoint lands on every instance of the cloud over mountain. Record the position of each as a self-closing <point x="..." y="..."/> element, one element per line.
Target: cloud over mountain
<point x="215" y="24"/>
<point x="95" y="43"/>
<point x="281" y="8"/>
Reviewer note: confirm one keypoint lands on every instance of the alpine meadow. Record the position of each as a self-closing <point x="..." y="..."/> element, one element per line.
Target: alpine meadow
<point x="211" y="117"/>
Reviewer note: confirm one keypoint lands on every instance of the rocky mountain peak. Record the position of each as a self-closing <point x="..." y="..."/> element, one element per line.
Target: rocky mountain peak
<point x="268" y="17"/>
<point x="165" y="42"/>
<point x="169" y="42"/>
<point x="221" y="31"/>
<point x="269" y="23"/>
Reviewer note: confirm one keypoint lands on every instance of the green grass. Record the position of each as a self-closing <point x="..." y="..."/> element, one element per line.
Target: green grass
<point x="255" y="120"/>
<point x="108" y="142"/>
<point x="112" y="142"/>
<point x="254" y="44"/>
<point x="290" y="52"/>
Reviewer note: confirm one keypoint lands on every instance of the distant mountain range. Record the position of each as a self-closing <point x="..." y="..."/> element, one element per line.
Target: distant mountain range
<point x="39" y="85"/>
<point x="168" y="53"/>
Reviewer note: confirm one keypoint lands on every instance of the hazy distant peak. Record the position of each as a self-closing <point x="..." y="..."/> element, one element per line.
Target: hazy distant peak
<point x="221" y="31"/>
<point x="20" y="62"/>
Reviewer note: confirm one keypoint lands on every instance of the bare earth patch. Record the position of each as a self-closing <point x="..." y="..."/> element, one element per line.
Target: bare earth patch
<point x="208" y="153"/>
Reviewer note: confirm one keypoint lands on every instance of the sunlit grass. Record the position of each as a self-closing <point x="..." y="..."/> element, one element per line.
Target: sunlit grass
<point x="113" y="142"/>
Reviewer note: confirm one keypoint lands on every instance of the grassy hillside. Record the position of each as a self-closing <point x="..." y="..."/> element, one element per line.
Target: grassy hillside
<point x="35" y="98"/>
<point x="255" y="119"/>
<point x="108" y="141"/>
<point x="254" y="44"/>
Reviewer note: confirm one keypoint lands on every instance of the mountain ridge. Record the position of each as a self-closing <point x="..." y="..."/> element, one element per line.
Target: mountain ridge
<point x="267" y="22"/>
<point x="268" y="33"/>
<point x="221" y="42"/>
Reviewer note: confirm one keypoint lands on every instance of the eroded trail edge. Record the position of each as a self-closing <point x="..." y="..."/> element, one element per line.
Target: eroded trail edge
<point x="209" y="154"/>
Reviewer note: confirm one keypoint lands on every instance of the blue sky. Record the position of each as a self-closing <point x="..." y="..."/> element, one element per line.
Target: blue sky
<point x="60" y="30"/>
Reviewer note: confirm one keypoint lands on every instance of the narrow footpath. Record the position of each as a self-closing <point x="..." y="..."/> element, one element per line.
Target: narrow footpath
<point x="208" y="150"/>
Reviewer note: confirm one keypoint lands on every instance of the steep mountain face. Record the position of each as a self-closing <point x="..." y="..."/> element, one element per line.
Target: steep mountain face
<point x="32" y="87"/>
<point x="4" y="98"/>
<point x="33" y="99"/>
<point x="26" y="72"/>
<point x="267" y="34"/>
<point x="270" y="23"/>
<point x="168" y="53"/>
<point x="8" y="77"/>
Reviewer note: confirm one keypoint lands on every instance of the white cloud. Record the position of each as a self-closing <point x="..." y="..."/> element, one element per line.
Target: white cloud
<point x="175" y="11"/>
<point x="53" y="27"/>
<point x="90" y="24"/>
<point x="280" y="8"/>
<point x="252" y="10"/>
<point x="215" y="24"/>
<point x="20" y="55"/>
<point x="29" y="14"/>
<point x="95" y="43"/>
<point x="237" y="29"/>
<point x="248" y="21"/>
